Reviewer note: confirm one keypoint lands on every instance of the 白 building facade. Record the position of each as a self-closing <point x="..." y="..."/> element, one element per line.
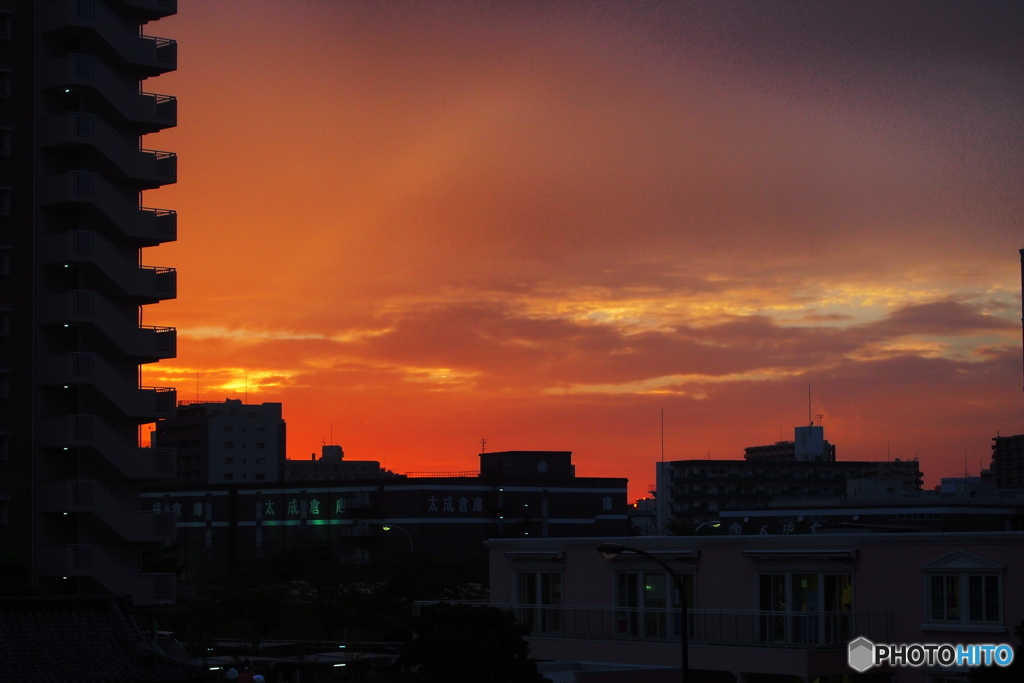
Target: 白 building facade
<point x="225" y="442"/>
<point x="74" y="102"/>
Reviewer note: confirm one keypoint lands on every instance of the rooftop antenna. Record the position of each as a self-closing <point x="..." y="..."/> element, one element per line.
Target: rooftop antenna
<point x="663" y="435"/>
<point x="483" y="445"/>
<point x="246" y="388"/>
<point x="809" y="420"/>
<point x="197" y="387"/>
<point x="820" y="416"/>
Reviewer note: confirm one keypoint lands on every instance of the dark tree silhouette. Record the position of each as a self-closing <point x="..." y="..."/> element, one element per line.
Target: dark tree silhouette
<point x="459" y="643"/>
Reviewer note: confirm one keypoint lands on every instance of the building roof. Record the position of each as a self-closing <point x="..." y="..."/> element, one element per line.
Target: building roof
<point x="82" y="640"/>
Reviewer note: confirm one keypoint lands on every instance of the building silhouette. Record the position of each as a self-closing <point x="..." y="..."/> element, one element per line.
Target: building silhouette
<point x="221" y="442"/>
<point x="290" y="524"/>
<point x="693" y="492"/>
<point x="332" y="466"/>
<point x="72" y="291"/>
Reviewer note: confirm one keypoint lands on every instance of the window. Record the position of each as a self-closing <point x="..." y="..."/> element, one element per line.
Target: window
<point x="964" y="590"/>
<point x="648" y="604"/>
<point x="539" y="595"/>
<point x="805" y="608"/>
<point x="964" y="598"/>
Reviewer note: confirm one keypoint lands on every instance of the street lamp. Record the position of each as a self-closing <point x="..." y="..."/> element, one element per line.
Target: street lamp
<point x="389" y="527"/>
<point x="714" y="524"/>
<point x="612" y="550"/>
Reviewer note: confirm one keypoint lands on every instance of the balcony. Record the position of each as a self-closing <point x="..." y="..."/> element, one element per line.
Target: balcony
<point x="720" y="640"/>
<point x="152" y="56"/>
<point x="86" y="560"/>
<point x="86" y="496"/>
<point x="148" y="227"/>
<point x="76" y="369"/>
<point x="149" y="168"/>
<point x="145" y="343"/>
<point x="93" y="434"/>
<point x="148" y="284"/>
<point x="148" y="111"/>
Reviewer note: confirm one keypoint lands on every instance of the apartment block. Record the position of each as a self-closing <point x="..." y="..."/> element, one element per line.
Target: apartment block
<point x="758" y="609"/>
<point x="224" y="442"/>
<point x="75" y="103"/>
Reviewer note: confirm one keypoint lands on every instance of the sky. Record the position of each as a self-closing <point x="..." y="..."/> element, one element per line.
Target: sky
<point x="633" y="230"/>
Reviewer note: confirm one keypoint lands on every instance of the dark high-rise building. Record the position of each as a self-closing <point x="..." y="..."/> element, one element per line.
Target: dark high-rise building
<point x="74" y="105"/>
<point x="1008" y="461"/>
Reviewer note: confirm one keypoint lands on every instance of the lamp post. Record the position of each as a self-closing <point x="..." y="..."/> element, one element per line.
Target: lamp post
<point x="612" y="550"/>
<point x="714" y="524"/>
<point x="389" y="527"/>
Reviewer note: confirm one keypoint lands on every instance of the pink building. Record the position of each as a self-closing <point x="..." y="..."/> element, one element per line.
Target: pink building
<point x="761" y="608"/>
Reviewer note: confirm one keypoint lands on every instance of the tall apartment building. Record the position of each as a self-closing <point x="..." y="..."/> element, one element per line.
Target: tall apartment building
<point x="1008" y="461"/>
<point x="225" y="442"/>
<point x="74" y="106"/>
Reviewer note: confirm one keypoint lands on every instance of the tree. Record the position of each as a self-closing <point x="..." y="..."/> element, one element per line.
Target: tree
<point x="460" y="643"/>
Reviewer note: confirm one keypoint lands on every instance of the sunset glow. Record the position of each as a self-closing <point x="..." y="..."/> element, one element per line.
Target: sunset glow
<point x="417" y="225"/>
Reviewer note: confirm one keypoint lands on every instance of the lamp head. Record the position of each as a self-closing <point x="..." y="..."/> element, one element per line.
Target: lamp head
<point x="610" y="550"/>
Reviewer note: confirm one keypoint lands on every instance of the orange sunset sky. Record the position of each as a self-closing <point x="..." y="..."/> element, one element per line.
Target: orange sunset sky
<point x="420" y="224"/>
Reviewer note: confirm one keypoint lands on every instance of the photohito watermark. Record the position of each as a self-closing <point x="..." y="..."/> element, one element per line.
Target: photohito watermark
<point x="863" y="654"/>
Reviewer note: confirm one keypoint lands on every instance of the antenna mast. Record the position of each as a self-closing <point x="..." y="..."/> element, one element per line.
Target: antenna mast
<point x="810" y="420"/>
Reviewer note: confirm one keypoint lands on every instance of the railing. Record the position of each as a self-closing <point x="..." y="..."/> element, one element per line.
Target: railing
<point x="794" y="630"/>
<point x="92" y="369"/>
<point x="89" y="431"/>
<point x="149" y="111"/>
<point x="138" y="222"/>
<point x="159" y="54"/>
<point x="149" y="166"/>
<point x="146" y="341"/>
<point x="83" y="559"/>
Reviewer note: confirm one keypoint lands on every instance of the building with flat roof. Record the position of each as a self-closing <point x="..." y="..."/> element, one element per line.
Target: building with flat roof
<point x="1008" y="461"/>
<point x="760" y="609"/>
<point x="231" y="526"/>
<point x="332" y="466"/>
<point x="224" y="442"/>
<point x="75" y="100"/>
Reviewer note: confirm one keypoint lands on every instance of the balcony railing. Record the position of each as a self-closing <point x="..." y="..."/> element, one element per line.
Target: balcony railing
<point x="92" y="433"/>
<point x="88" y="560"/>
<point x="148" y="167"/>
<point x="89" y="496"/>
<point x="149" y="284"/>
<point x="733" y="628"/>
<point x="90" y="369"/>
<point x="154" y="55"/>
<point x="149" y="227"/>
<point x="149" y="111"/>
<point x="144" y="342"/>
